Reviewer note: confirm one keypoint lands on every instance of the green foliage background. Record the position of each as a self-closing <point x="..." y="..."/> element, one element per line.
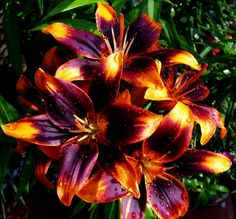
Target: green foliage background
<point x="187" y="25"/>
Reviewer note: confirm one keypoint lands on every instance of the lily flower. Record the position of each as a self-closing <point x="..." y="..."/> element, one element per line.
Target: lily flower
<point x="136" y="43"/>
<point x="72" y="125"/>
<point x="188" y="89"/>
<point x="163" y="159"/>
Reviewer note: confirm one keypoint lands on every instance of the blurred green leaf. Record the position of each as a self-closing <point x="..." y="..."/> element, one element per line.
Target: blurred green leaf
<point x="41" y="6"/>
<point x="69" y="5"/>
<point x="12" y="35"/>
<point x="78" y="208"/>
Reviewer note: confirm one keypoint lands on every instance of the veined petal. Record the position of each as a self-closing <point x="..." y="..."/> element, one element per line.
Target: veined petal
<point x="105" y="85"/>
<point x="101" y="188"/>
<point x="51" y="61"/>
<point x="196" y="161"/>
<point x="142" y="71"/>
<point x="114" y="163"/>
<point x="133" y="208"/>
<point x="167" y="197"/>
<point x="79" y="41"/>
<point x="77" y="70"/>
<point x="170" y="57"/>
<point x="63" y="100"/>
<point x="145" y="32"/>
<point x="208" y="118"/>
<point x="106" y="20"/>
<point x="37" y="130"/>
<point x="172" y="137"/>
<point x="41" y="170"/>
<point x="76" y="163"/>
<point x="122" y="124"/>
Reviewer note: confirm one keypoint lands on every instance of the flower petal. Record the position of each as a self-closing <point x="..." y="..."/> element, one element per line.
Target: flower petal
<point x="114" y="163"/>
<point x="77" y="162"/>
<point x="145" y="32"/>
<point x="79" y="41"/>
<point x="208" y="119"/>
<point x="77" y="70"/>
<point x="51" y="152"/>
<point x="170" y="57"/>
<point x="101" y="188"/>
<point x="167" y="197"/>
<point x="106" y="20"/>
<point x="105" y="85"/>
<point x="51" y="61"/>
<point x="122" y="124"/>
<point x="124" y="97"/>
<point x="172" y="137"/>
<point x="63" y="100"/>
<point x="37" y="130"/>
<point x="132" y="207"/>
<point x="142" y="71"/>
<point x="196" y="161"/>
<point x="41" y="170"/>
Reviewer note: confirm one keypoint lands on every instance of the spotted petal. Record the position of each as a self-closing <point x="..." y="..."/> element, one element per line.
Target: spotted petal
<point x="167" y="197"/>
<point x="142" y="71"/>
<point x="132" y="207"/>
<point x="77" y="162"/>
<point x="63" y="100"/>
<point x="79" y="41"/>
<point x="173" y="135"/>
<point x="77" y="70"/>
<point x="101" y="188"/>
<point x="122" y="124"/>
<point x="37" y="130"/>
<point x="114" y="163"/>
<point x="145" y="32"/>
<point x="170" y="57"/>
<point x="196" y="161"/>
<point x="208" y="119"/>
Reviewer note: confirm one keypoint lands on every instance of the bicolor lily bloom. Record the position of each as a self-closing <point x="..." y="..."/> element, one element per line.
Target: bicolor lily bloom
<point x="164" y="158"/>
<point x="73" y="127"/>
<point x="188" y="89"/>
<point x="136" y="43"/>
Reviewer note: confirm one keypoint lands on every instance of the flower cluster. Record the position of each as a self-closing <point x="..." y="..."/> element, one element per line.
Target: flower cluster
<point x="109" y="144"/>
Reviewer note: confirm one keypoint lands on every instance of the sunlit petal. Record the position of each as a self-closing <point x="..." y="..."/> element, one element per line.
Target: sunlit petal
<point x="77" y="70"/>
<point x="170" y="57"/>
<point x="122" y="124"/>
<point x="37" y="130"/>
<point x="208" y="119"/>
<point x="113" y="161"/>
<point x="41" y="170"/>
<point x="173" y="135"/>
<point x="79" y="41"/>
<point x="142" y="71"/>
<point x="196" y="161"/>
<point x="63" y="100"/>
<point x="145" y="32"/>
<point x="158" y="94"/>
<point x="167" y="197"/>
<point x="76" y="163"/>
<point x="101" y="188"/>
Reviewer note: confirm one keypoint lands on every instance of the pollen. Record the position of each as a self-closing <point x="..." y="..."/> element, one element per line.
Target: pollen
<point x="58" y="30"/>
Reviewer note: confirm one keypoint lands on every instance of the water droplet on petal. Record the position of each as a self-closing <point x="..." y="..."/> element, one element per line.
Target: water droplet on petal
<point x="133" y="215"/>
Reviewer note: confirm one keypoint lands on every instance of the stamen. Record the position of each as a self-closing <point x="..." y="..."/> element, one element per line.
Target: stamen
<point x="114" y="39"/>
<point x="83" y="138"/>
<point x="125" y="39"/>
<point x="187" y="92"/>
<point x="191" y="80"/>
<point x="80" y="120"/>
<point x="121" y="31"/>
<point x="129" y="45"/>
<point x="107" y="44"/>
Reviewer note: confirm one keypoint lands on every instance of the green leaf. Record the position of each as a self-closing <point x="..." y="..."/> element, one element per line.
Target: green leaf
<point x="78" y="208"/>
<point x="12" y="35"/>
<point x="41" y="6"/>
<point x="69" y="5"/>
<point x="7" y="112"/>
<point x="118" y="5"/>
<point x="5" y="152"/>
<point x="75" y="23"/>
